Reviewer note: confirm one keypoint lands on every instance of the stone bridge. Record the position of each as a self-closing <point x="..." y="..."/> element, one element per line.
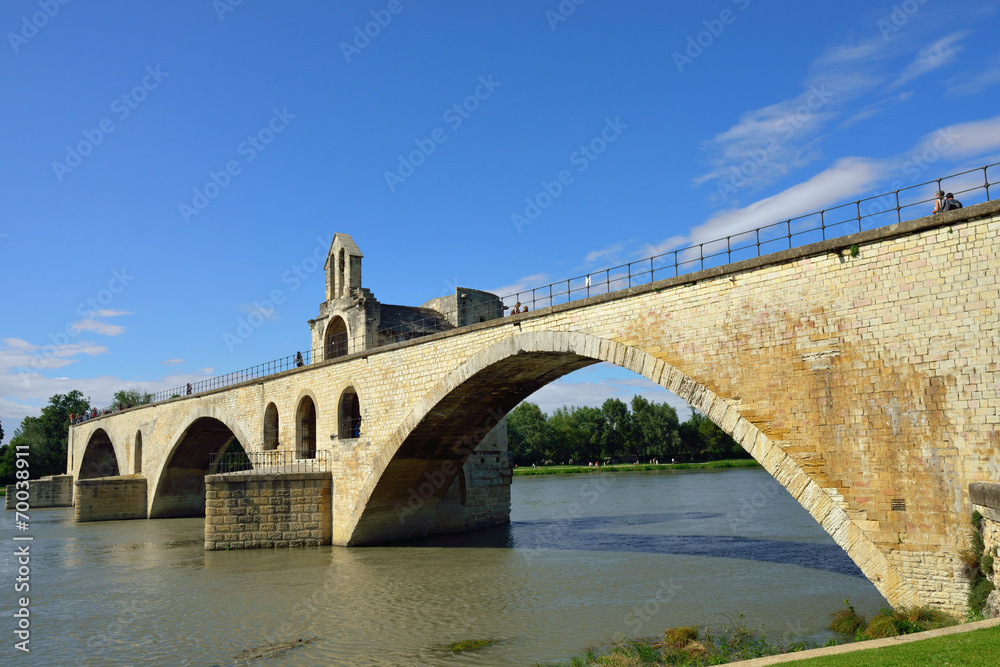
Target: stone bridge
<point x="866" y="383"/>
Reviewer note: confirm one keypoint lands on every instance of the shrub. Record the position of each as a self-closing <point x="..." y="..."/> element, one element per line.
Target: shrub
<point x="847" y="621"/>
<point x="679" y="637"/>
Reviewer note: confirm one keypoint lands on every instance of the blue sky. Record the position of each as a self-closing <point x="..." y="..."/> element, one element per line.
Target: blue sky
<point x="168" y="166"/>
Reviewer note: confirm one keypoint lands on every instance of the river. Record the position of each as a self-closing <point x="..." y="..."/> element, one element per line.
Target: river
<point x="586" y="558"/>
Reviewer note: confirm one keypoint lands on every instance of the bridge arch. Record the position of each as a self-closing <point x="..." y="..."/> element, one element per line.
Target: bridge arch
<point x="180" y="486"/>
<point x="432" y="443"/>
<point x="100" y="457"/>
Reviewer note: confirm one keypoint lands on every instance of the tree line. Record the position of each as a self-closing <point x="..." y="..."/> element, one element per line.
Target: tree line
<point x="584" y="434"/>
<point x="47" y="435"/>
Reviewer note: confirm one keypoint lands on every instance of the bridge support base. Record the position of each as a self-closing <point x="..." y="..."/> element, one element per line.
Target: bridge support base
<point x="248" y="510"/>
<point x="110" y="498"/>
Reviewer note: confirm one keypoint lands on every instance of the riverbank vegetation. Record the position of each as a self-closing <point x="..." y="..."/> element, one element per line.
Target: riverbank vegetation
<point x="643" y="431"/>
<point x="978" y="567"/>
<point x="628" y="467"/>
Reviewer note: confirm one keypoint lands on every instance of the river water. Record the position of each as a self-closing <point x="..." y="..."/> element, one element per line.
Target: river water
<point x="586" y="559"/>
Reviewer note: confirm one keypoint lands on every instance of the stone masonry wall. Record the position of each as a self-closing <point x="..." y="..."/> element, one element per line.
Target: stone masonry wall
<point x="53" y="491"/>
<point x="264" y="510"/>
<point x="110" y="498"/>
<point x="485" y="499"/>
<point x="986" y="500"/>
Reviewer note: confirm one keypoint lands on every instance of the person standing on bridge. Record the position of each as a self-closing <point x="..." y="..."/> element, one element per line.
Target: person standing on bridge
<point x="938" y="202"/>
<point x="298" y="360"/>
<point x="189" y="389"/>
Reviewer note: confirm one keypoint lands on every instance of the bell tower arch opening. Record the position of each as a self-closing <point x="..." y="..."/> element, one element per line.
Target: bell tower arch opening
<point x="335" y="343"/>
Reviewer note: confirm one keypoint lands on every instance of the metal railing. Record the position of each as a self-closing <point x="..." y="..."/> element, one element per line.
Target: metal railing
<point x="272" y="461"/>
<point x="868" y="213"/>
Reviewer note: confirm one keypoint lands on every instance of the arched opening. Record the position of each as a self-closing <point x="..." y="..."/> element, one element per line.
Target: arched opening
<point x="335" y="343"/>
<point x="137" y="454"/>
<point x="305" y="429"/>
<point x="181" y="490"/>
<point x="271" y="427"/>
<point x="349" y="415"/>
<point x="342" y="266"/>
<point x="99" y="459"/>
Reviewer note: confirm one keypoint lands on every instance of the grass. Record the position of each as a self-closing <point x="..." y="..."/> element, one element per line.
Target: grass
<point x="979" y="647"/>
<point x="888" y="622"/>
<point x="688" y="646"/>
<point x="628" y="467"/>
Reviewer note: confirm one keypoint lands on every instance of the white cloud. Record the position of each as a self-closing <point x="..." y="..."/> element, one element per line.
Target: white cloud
<point x="846" y="178"/>
<point x="173" y="362"/>
<point x="967" y="140"/>
<point x="938" y="54"/>
<point x="525" y="283"/>
<point x="971" y="83"/>
<point x="17" y="353"/>
<point x="102" y="328"/>
<point x="611" y="250"/>
<point x="587" y="388"/>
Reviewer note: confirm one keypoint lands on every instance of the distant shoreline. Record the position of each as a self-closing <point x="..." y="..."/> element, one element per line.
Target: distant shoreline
<point x="628" y="467"/>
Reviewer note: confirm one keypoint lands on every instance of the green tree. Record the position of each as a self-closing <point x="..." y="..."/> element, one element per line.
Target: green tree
<point x="656" y="428"/>
<point x="133" y="396"/>
<point x="590" y="423"/>
<point x="46" y="437"/>
<point x="527" y="434"/>
<point x="617" y="437"/>
<point x="568" y="439"/>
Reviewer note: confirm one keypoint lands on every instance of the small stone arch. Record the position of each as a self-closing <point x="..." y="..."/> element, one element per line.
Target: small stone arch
<point x="99" y="457"/>
<point x="306" y="420"/>
<point x="270" y="435"/>
<point x="137" y="453"/>
<point x="349" y="414"/>
<point x="335" y="342"/>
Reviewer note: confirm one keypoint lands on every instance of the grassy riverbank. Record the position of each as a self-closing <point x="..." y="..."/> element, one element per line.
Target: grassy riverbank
<point x="628" y="467"/>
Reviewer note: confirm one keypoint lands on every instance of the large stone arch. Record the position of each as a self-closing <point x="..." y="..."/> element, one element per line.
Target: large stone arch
<point x="180" y="484"/>
<point x="428" y="448"/>
<point x="100" y="457"/>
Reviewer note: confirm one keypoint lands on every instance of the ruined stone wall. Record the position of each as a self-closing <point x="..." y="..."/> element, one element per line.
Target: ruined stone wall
<point x="52" y="491"/>
<point x="259" y="511"/>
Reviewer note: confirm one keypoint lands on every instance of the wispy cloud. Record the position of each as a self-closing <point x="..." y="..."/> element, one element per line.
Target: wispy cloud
<point x="971" y="83"/>
<point x="931" y="57"/>
<point x="102" y="328"/>
<point x="522" y="284"/>
<point x="173" y="362"/>
<point x="610" y="251"/>
<point x="17" y="353"/>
